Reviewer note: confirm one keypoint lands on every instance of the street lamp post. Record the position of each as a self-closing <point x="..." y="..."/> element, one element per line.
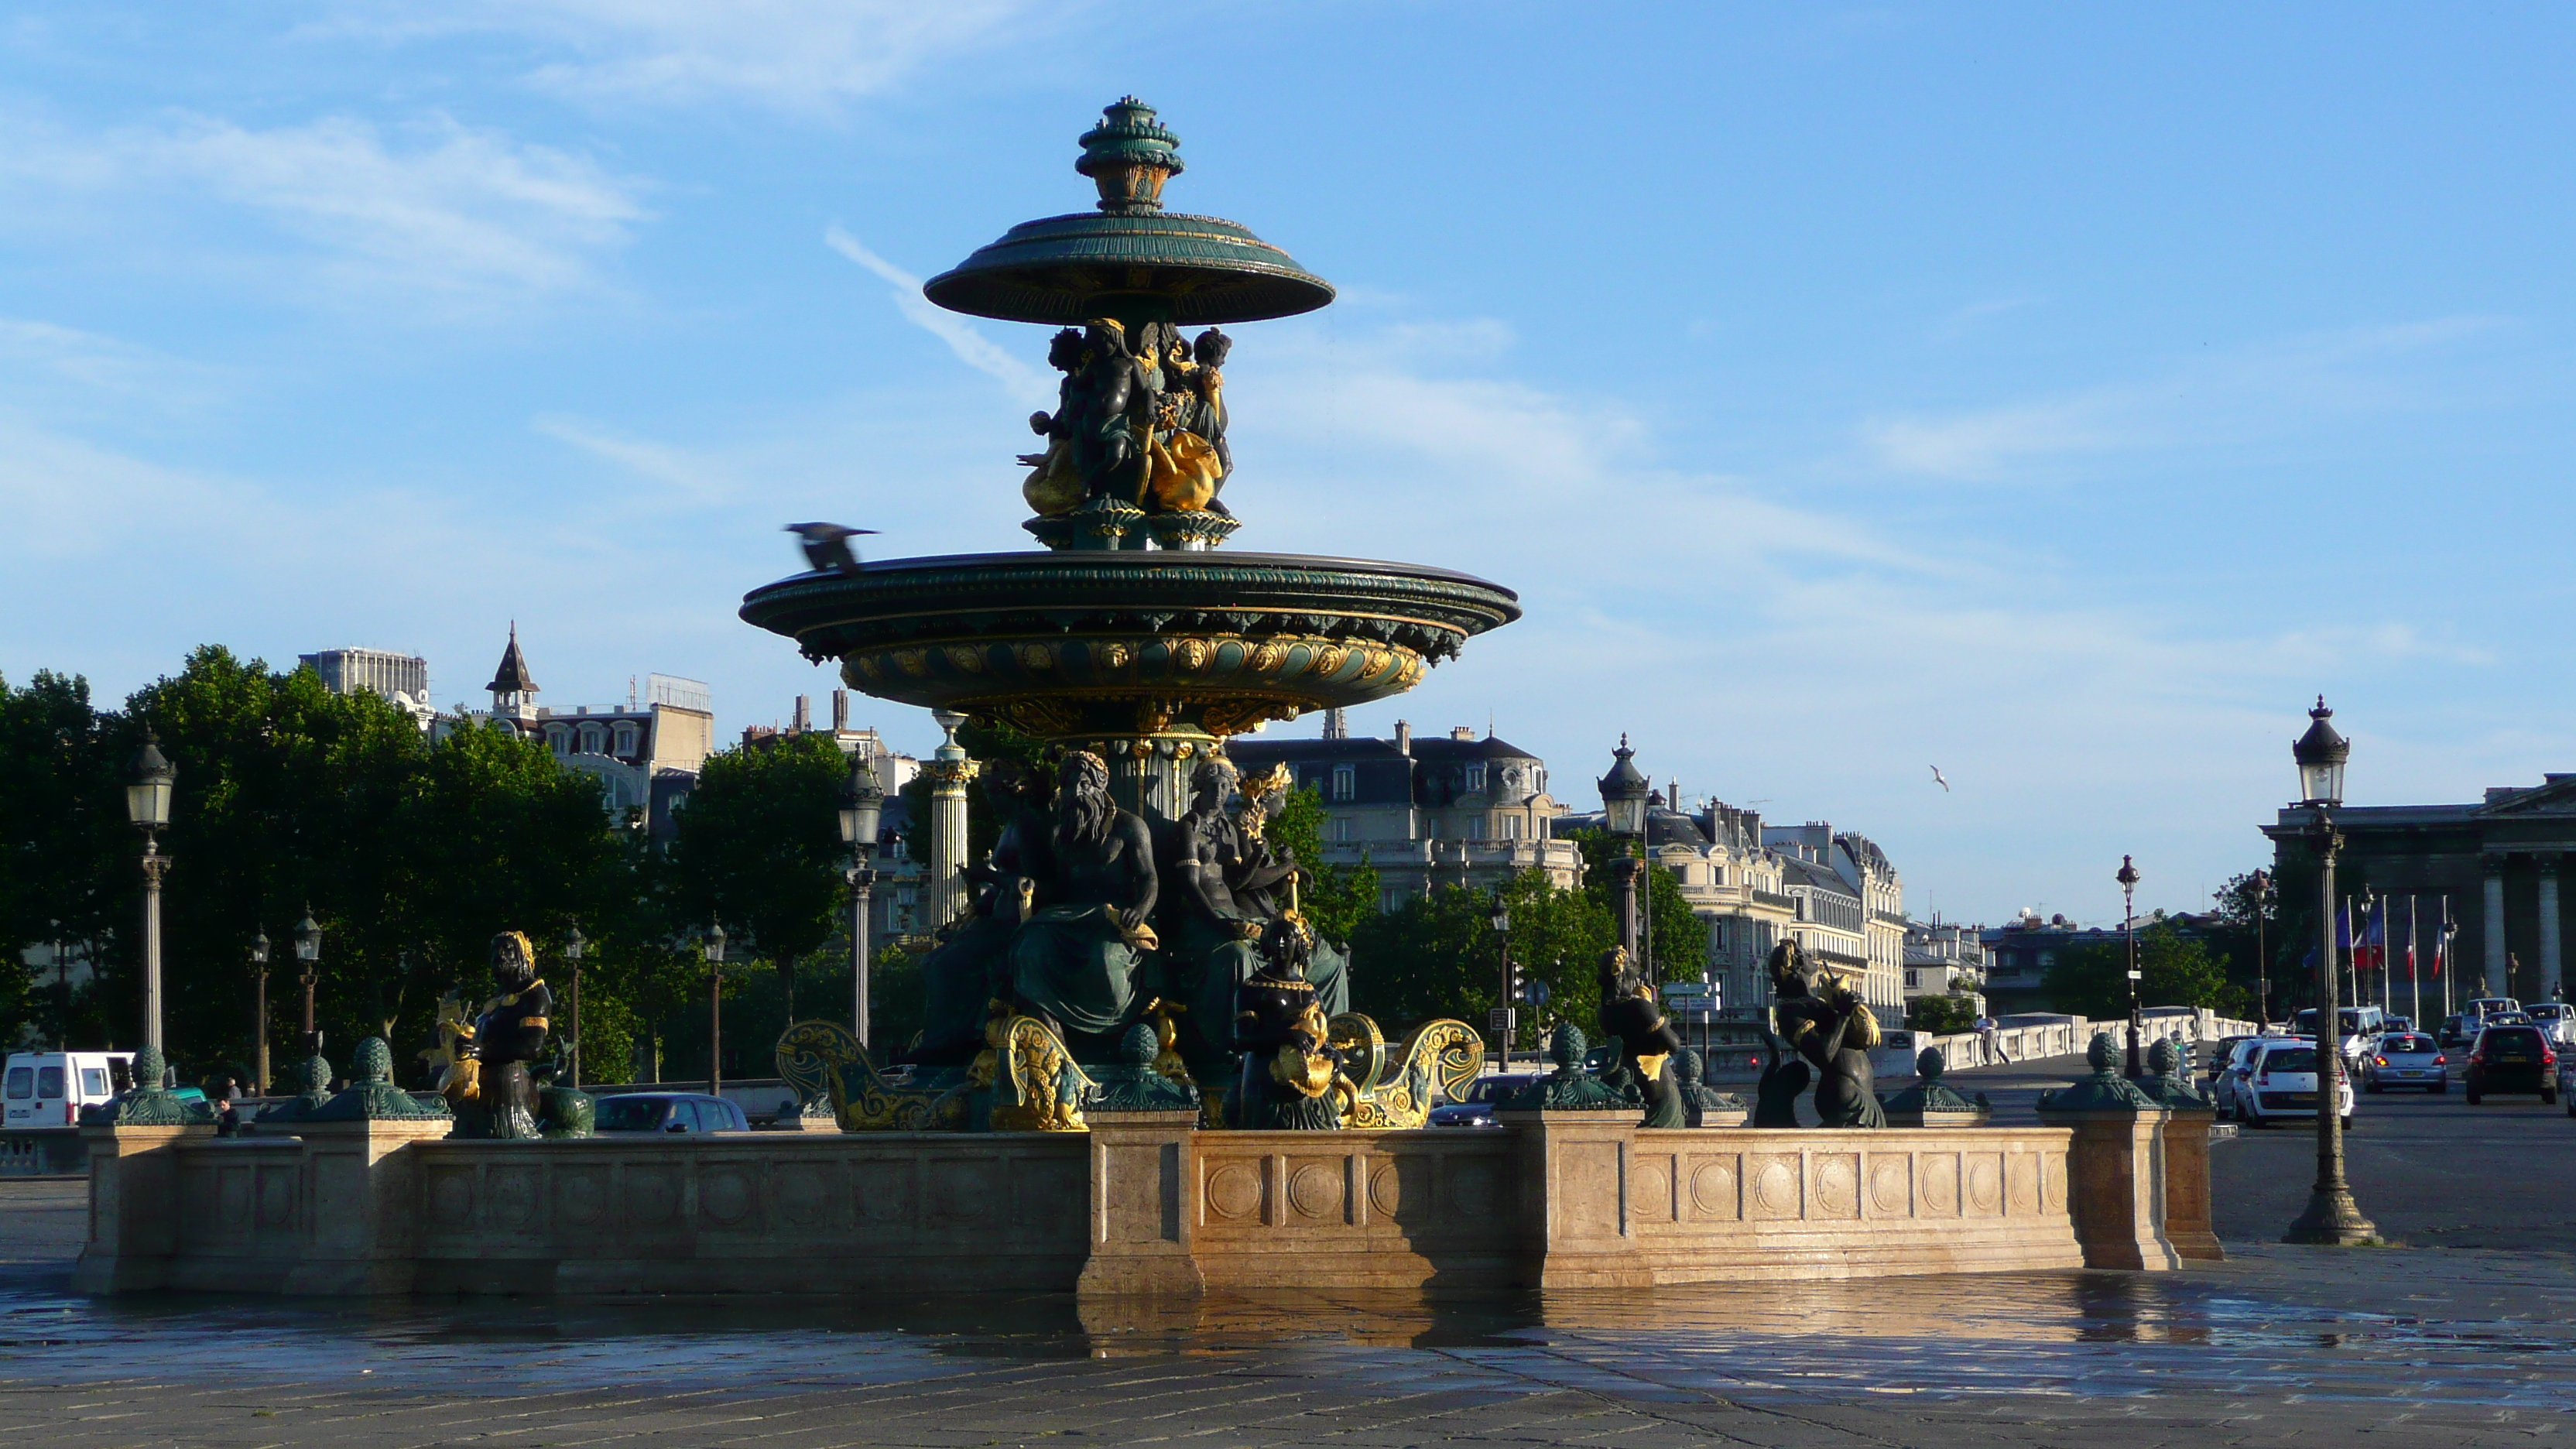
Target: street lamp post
<point x="2262" y="884"/>
<point x="147" y="804"/>
<point x="715" y="1008"/>
<point x="573" y="946"/>
<point x="862" y="801"/>
<point x="259" y="1010"/>
<point x="308" y="959"/>
<point x="1623" y="815"/>
<point x="1503" y="1015"/>
<point x="2128" y="879"/>
<point x="2332" y="1217"/>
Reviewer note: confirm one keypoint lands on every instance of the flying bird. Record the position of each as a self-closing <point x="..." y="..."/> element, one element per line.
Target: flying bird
<point x="827" y="546"/>
<point x="1936" y="774"/>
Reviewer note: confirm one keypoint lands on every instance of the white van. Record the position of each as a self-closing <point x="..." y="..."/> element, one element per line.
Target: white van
<point x="48" y="1089"/>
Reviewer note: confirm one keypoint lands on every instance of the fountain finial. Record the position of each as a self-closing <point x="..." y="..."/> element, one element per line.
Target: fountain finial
<point x="1129" y="156"/>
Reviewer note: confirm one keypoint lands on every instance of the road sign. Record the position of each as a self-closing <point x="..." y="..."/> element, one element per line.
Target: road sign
<point x="1502" y="1018"/>
<point x="2137" y="976"/>
<point x="1534" y="991"/>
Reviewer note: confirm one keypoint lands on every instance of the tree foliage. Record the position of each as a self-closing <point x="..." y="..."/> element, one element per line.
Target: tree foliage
<point x="2174" y="970"/>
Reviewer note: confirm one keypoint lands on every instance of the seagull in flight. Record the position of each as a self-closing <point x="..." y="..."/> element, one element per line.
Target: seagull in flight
<point x="827" y="546"/>
<point x="1937" y="780"/>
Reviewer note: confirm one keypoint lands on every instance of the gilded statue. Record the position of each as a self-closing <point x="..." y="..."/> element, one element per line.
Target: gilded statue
<point x="1631" y="1017"/>
<point x="487" y="1082"/>
<point x="1290" y="1065"/>
<point x="1831" y="1029"/>
<point x="1140" y="420"/>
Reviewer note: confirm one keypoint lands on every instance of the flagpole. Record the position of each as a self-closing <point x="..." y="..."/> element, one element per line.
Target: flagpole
<point x="2414" y="977"/>
<point x="2379" y="924"/>
<point x="2442" y="953"/>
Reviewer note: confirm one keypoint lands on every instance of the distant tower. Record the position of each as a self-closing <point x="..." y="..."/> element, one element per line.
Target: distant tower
<point x="1337" y="726"/>
<point x="514" y="690"/>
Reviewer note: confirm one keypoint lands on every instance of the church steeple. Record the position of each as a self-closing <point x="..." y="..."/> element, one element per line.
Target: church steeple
<point x="514" y="689"/>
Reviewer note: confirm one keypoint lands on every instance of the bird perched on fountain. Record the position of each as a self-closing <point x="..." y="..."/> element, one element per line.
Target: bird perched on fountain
<point x="827" y="546"/>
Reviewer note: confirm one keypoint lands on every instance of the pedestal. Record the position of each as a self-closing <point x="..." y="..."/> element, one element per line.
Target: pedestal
<point x="365" y="1205"/>
<point x="2116" y="1186"/>
<point x="1143" y="1201"/>
<point x="2186" y="1173"/>
<point x="133" y="1207"/>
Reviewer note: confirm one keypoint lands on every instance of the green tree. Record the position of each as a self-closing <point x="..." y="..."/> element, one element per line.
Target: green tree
<point x="1676" y="939"/>
<point x="1940" y="1015"/>
<point x="2174" y="971"/>
<point x="758" y="847"/>
<point x="66" y="851"/>
<point x="1336" y="898"/>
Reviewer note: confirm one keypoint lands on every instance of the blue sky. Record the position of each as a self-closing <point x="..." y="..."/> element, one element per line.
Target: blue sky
<point x="2059" y="395"/>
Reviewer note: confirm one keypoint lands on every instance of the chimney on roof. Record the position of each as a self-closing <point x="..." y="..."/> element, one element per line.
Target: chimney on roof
<point x="804" y="713"/>
<point x="1404" y="737"/>
<point x="1337" y="725"/>
<point x="840" y="710"/>
<point x="1462" y="732"/>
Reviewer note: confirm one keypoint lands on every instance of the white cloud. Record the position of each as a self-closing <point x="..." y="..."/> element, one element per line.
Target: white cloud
<point x="809" y="56"/>
<point x="973" y="348"/>
<point x="2252" y="392"/>
<point x="465" y="216"/>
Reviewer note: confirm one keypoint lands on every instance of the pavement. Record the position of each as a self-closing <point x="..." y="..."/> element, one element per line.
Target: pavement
<point x="2464" y="1335"/>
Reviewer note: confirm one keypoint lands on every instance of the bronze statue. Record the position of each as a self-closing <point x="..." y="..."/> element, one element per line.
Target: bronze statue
<point x="486" y="1082"/>
<point x="1206" y="932"/>
<point x="1831" y="1029"/>
<point x="1289" y="1062"/>
<point x="1074" y="961"/>
<point x="1630" y="1016"/>
<point x="970" y="966"/>
<point x="1139" y="419"/>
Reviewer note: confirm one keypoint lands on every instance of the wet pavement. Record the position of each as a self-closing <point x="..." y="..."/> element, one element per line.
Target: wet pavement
<point x="2430" y="1344"/>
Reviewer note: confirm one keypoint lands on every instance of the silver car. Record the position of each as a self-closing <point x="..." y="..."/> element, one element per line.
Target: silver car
<point x="2406" y="1059"/>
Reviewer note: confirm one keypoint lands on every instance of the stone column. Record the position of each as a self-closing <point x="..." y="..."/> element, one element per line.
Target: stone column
<point x="1144" y="1197"/>
<point x="2115" y="1166"/>
<point x="2491" y="974"/>
<point x="950" y="771"/>
<point x="1573" y="1200"/>
<point x="133" y="1207"/>
<point x="2547" y="986"/>
<point x="2186" y="1173"/>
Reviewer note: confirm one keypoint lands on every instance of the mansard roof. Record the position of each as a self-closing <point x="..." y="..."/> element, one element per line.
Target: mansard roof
<point x="513" y="676"/>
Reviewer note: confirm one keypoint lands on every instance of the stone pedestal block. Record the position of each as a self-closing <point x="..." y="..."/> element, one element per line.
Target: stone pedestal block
<point x="2116" y="1180"/>
<point x="363" y="1205"/>
<point x="1574" y="1210"/>
<point x="134" y="1203"/>
<point x="1143" y="1204"/>
<point x="2186" y="1147"/>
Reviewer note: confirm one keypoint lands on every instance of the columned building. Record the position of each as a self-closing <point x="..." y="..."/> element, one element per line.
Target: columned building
<point x="2496" y="866"/>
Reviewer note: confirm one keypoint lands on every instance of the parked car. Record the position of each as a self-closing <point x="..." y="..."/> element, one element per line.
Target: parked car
<point x="2214" y="1057"/>
<point x="2234" y="1073"/>
<point x="1475" y="1108"/>
<point x="48" y="1089"/>
<point x="2554" y="1018"/>
<point x="2406" y="1059"/>
<point x="2282" y="1083"/>
<point x="669" y="1112"/>
<point x="2515" y="1057"/>
<point x="2455" y="1031"/>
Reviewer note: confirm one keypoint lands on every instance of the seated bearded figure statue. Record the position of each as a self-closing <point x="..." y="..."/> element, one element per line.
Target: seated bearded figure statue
<point x="1074" y="961"/>
<point x="971" y="965"/>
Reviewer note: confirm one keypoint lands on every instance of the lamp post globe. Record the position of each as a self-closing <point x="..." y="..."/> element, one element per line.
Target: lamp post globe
<point x="2128" y="879"/>
<point x="1623" y="816"/>
<point x="259" y="1012"/>
<point x="715" y="942"/>
<point x="147" y="804"/>
<point x="308" y="958"/>
<point x="862" y="805"/>
<point x="2332" y="1217"/>
<point x="573" y="947"/>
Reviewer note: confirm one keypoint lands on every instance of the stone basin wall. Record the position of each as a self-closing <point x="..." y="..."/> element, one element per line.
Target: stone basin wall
<point x="1141" y="1204"/>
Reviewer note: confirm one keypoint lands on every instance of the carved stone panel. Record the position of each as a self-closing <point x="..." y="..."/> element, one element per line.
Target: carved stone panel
<point x="1715" y="1187"/>
<point x="513" y="1201"/>
<point x="882" y="1190"/>
<point x="726" y="1196"/>
<point x="1316" y="1189"/>
<point x="1650" y="1187"/>
<point x="581" y="1197"/>
<point x="1940" y="1184"/>
<point x="1234" y="1189"/>
<point x="451" y="1197"/>
<point x="962" y="1192"/>
<point x="1891" y="1185"/>
<point x="1587" y="1184"/>
<point x="650" y="1195"/>
<point x="1837" y="1186"/>
<point x="1985" y="1173"/>
<point x="1143" y="1191"/>
<point x="2022" y="1181"/>
<point x="1774" y="1191"/>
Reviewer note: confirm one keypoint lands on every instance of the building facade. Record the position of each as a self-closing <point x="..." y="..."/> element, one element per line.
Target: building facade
<point x="1426" y="812"/>
<point x="646" y="754"/>
<point x="2492" y="869"/>
<point x="1944" y="958"/>
<point x="1856" y="905"/>
<point x="402" y="679"/>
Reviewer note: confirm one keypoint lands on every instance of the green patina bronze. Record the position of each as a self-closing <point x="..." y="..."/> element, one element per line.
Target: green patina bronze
<point x="1931" y="1096"/>
<point x="312" y="1078"/>
<point x="2104" y="1091"/>
<point x="1129" y="259"/>
<point x="152" y="1104"/>
<point x="1570" y="1088"/>
<point x="372" y="1096"/>
<point x="2172" y="1086"/>
<point x="1132" y="1085"/>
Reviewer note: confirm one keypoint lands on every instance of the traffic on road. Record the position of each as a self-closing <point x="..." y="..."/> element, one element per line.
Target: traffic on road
<point x="2495" y="1047"/>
